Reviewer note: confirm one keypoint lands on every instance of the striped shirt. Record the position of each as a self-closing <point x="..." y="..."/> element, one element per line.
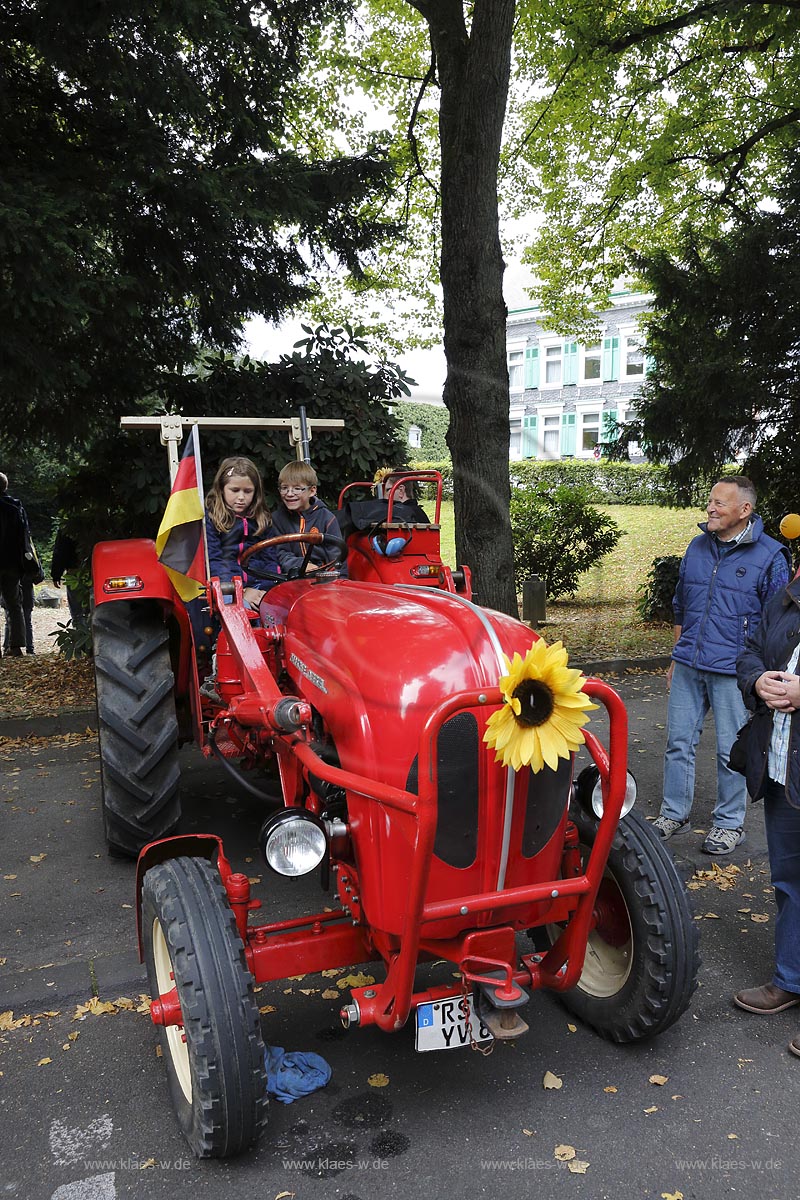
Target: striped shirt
<point x="779" y="742"/>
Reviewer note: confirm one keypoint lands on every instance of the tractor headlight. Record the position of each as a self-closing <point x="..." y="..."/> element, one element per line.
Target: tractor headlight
<point x="293" y="842"/>
<point x="589" y="791"/>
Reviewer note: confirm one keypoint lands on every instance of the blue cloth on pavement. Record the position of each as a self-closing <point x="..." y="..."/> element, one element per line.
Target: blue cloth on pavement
<point x="294" y="1074"/>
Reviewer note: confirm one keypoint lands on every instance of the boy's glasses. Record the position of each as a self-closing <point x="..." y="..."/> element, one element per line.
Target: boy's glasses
<point x="285" y="491"/>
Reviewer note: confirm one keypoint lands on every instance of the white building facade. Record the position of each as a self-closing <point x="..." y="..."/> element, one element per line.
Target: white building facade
<point x="567" y="396"/>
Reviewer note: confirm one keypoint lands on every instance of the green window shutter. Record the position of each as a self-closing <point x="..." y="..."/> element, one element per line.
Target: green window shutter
<point x="610" y="358"/>
<point x="529" y="436"/>
<point x="570" y="362"/>
<point x="608" y="421"/>
<point x="568" y="432"/>
<point x="531" y="379"/>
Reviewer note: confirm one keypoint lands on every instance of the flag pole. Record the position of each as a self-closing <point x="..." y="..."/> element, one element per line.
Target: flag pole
<point x="195" y="434"/>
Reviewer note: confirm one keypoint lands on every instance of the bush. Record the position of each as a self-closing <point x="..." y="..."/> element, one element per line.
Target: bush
<point x="605" y="482"/>
<point x="558" y="536"/>
<point x="655" y="600"/>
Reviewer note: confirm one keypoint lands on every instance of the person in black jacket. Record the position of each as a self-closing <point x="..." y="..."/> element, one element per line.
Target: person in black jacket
<point x="13" y="527"/>
<point x="300" y="511"/>
<point x="769" y="678"/>
<point x="66" y="560"/>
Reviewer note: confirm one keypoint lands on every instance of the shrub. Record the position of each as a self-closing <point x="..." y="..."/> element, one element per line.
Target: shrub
<point x="559" y="536"/>
<point x="655" y="595"/>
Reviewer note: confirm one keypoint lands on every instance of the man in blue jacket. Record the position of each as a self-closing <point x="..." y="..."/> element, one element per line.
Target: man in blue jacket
<point x="728" y="573"/>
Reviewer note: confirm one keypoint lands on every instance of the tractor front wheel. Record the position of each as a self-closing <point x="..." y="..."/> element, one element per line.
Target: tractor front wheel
<point x="215" y="1057"/>
<point x="137" y="724"/>
<point x="641" y="963"/>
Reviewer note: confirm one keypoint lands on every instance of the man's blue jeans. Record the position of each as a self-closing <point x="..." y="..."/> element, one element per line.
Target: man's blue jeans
<point x="783" y="841"/>
<point x="691" y="695"/>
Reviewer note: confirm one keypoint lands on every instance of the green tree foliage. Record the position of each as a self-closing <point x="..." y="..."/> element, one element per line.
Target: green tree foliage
<point x="331" y="373"/>
<point x="725" y="338"/>
<point x="646" y="118"/>
<point x="149" y="199"/>
<point x="558" y="536"/>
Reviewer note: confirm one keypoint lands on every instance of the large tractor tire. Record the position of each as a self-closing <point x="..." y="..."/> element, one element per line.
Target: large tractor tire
<point x="642" y="960"/>
<point x="215" y="1059"/>
<point x="137" y="724"/>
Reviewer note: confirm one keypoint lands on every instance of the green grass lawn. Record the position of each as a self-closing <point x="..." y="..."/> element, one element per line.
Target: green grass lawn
<point x="600" y="620"/>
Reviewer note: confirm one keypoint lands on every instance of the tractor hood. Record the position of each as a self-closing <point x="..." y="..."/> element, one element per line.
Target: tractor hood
<point x="376" y="659"/>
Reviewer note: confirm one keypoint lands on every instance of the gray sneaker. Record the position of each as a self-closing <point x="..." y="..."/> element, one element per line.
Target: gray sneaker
<point x="666" y="827"/>
<point x="722" y="841"/>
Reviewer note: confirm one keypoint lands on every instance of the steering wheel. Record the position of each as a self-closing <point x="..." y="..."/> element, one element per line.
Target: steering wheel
<point x="314" y="537"/>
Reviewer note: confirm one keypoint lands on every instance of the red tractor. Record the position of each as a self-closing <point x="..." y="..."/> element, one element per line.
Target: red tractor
<point x="370" y="698"/>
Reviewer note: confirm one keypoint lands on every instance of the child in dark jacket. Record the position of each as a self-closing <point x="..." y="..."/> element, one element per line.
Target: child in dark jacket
<point x="236" y="518"/>
<point x="300" y="511"/>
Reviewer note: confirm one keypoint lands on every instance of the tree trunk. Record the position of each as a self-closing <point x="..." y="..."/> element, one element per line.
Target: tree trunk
<point x="474" y="68"/>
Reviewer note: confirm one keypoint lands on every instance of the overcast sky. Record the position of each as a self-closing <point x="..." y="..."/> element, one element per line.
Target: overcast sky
<point x="268" y="342"/>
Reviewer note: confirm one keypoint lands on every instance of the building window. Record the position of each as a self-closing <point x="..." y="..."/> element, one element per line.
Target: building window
<point x="516" y="360"/>
<point x="590" y="431"/>
<point x="592" y="357"/>
<point x="551" y="436"/>
<point x="515" y="443"/>
<point x="633" y="359"/>
<point x="552" y="365"/>
<point x="414" y="437"/>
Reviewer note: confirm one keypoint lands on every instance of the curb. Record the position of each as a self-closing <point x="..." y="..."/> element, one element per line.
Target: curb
<point x="106" y="976"/>
<point x="618" y="666"/>
<point x="70" y="720"/>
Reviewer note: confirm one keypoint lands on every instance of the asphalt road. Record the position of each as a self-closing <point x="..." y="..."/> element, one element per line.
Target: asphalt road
<point x="88" y="1116"/>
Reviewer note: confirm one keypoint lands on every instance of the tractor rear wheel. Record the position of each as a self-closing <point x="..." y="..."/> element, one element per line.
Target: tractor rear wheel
<point x="215" y="1059"/>
<point x="641" y="963"/>
<point x="137" y="724"/>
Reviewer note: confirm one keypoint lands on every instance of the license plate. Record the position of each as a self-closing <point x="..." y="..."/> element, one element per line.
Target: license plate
<point x="446" y="1024"/>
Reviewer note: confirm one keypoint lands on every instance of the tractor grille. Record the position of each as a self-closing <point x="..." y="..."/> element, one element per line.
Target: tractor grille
<point x="457" y="763"/>
<point x="548" y="794"/>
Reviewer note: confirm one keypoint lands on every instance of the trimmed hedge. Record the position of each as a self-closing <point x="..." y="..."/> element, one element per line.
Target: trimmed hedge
<point x="601" y="482"/>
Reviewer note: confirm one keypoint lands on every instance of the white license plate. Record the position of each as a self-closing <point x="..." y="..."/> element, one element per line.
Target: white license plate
<point x="446" y="1024"/>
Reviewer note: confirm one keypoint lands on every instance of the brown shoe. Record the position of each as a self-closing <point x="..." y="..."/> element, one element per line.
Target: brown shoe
<point x="794" y="1046"/>
<point x="765" y="1000"/>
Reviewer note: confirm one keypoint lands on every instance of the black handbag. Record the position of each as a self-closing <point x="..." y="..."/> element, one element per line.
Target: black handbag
<point x="31" y="564"/>
<point x="737" y="759"/>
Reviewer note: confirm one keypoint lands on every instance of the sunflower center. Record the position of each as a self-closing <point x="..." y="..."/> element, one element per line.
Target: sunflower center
<point x="536" y="702"/>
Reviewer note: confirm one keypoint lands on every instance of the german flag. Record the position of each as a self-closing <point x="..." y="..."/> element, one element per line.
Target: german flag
<point x="180" y="542"/>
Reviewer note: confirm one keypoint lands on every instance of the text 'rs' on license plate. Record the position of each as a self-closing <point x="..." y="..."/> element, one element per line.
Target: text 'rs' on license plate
<point x="446" y="1024"/>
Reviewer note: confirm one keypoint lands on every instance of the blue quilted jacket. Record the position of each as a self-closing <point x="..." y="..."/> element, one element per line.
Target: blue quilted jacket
<point x="720" y="595"/>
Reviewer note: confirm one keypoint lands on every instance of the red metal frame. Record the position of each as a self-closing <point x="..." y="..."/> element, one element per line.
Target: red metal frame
<point x="324" y="940"/>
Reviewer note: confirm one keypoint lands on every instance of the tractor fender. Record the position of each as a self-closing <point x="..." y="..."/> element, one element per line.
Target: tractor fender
<point x="134" y="558"/>
<point x="185" y="845"/>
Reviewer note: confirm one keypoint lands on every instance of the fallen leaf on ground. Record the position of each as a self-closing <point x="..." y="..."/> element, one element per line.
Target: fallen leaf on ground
<point x="378" y="1080"/>
<point x="672" y="1196"/>
<point x="653" y="1108"/>
<point x="578" y="1166"/>
<point x="552" y="1081"/>
<point x="43" y="1062"/>
<point x="659" y="1079"/>
<point x="759" y="918"/>
<point x="572" y="1028"/>
<point x="609" y="1089"/>
<point x="355" y="981"/>
<point x="564" y="1153"/>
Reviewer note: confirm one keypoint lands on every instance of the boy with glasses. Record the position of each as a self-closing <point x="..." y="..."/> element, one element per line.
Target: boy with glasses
<point x="299" y="511"/>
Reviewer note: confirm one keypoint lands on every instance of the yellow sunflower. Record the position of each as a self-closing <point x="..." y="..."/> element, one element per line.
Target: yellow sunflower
<point x="543" y="711"/>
